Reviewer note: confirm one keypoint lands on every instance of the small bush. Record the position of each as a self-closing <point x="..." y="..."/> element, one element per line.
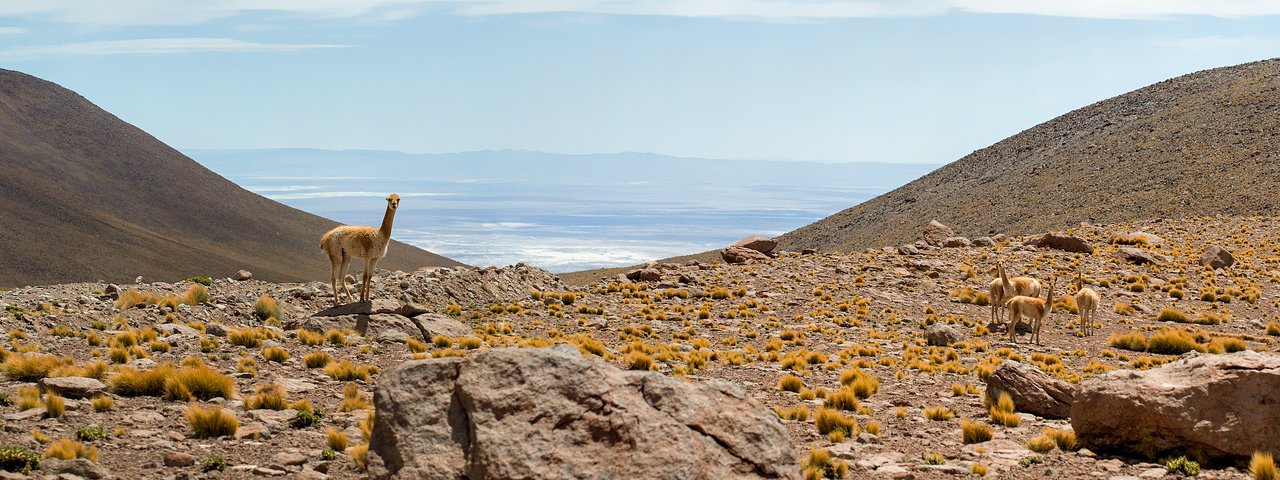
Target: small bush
<point x="268" y="397"/>
<point x="1182" y="466"/>
<point x="1170" y="314"/>
<point x="68" y="449"/>
<point x="790" y="383"/>
<point x="316" y="359"/>
<point x="266" y="308"/>
<point x="1273" y="328"/>
<point x="54" y="405"/>
<point x="934" y="458"/>
<point x="245" y="337"/>
<point x="201" y="383"/>
<point x="90" y="434"/>
<point x="29" y="367"/>
<point x="103" y="403"/>
<point x="336" y="439"/>
<point x="212" y="422"/>
<point x="843" y="399"/>
<point x="18" y="460"/>
<point x="1133" y="341"/>
<point x="196" y="294"/>
<point x="830" y="420"/>
<point x="305" y="419"/>
<point x="213" y="462"/>
<point x="1263" y="467"/>
<point x="863" y="384"/>
<point x="978" y="469"/>
<point x="939" y="413"/>
<point x="1041" y="444"/>
<point x="275" y="354"/>
<point x="1172" y="342"/>
<point x="974" y="432"/>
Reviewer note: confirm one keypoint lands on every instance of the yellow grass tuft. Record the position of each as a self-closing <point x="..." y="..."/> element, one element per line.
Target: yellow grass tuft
<point x="830" y="420"/>
<point x="266" y="308"/>
<point x="268" y="397"/>
<point x="353" y="399"/>
<point x="54" y="405"/>
<point x="275" y="354"/>
<point x="196" y="294"/>
<point x="974" y="432"/>
<point x="346" y="371"/>
<point x="212" y="422"/>
<point x="29" y="367"/>
<point x="336" y="439"/>
<point x="68" y="449"/>
<point x="245" y="337"/>
<point x="132" y="383"/>
<point x="103" y="403"/>
<point x="200" y="382"/>
<point x="308" y="337"/>
<point x="939" y="413"/>
<point x="1263" y="467"/>
<point x="360" y="456"/>
<point x="316" y="359"/>
<point x="790" y="383"/>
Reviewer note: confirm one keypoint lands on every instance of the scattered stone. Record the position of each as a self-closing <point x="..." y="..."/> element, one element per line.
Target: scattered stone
<point x="1032" y="391"/>
<point x="1140" y="256"/>
<point x="942" y="335"/>
<point x="288" y="459"/>
<point x="758" y="243"/>
<point x="73" y="387"/>
<point x="242" y="275"/>
<point x="28" y="414"/>
<point x="1222" y="406"/>
<point x="935" y="233"/>
<point x="645" y="275"/>
<point x="270" y="472"/>
<point x="908" y="250"/>
<point x="179" y="459"/>
<point x="741" y="255"/>
<point x="79" y="467"/>
<point x="984" y="242"/>
<point x="1216" y="257"/>
<point x="1062" y="242"/>
<point x="956" y="242"/>
<point x="551" y="413"/>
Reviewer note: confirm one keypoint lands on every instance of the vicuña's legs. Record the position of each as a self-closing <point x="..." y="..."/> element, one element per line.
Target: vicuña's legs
<point x="342" y="276"/>
<point x="368" y="279"/>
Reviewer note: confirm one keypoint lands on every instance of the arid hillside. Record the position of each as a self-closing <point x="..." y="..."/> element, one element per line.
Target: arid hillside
<point x="85" y="196"/>
<point x="1207" y="143"/>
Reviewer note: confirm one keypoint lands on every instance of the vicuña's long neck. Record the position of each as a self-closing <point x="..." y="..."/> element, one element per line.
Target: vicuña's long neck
<point x="1048" y="302"/>
<point x="386" y="222"/>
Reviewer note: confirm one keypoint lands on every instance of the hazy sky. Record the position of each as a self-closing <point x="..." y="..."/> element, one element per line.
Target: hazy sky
<point x="826" y="80"/>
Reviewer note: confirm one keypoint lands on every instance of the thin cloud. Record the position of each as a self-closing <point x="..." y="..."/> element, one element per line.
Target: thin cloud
<point x="1216" y="42"/>
<point x="12" y="30"/>
<point x="155" y="46"/>
<point x="186" y="12"/>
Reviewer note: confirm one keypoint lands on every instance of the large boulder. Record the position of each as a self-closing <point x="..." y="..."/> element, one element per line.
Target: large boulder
<point x="757" y="243"/>
<point x="935" y="233"/>
<point x="1032" y="391"/>
<point x="553" y="414"/>
<point x="1139" y="256"/>
<point x="645" y="275"/>
<point x="1062" y="242"/>
<point x="1216" y="257"/>
<point x="1219" y="406"/>
<point x="740" y="255"/>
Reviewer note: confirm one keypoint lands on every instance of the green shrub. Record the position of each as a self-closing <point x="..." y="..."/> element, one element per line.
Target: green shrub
<point x="18" y="459"/>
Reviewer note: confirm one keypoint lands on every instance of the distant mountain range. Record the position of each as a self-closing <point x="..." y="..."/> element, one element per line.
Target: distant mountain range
<point x="1207" y="143"/>
<point x="85" y="196"/>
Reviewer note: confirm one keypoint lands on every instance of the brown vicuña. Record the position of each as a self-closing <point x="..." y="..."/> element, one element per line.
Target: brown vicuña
<point x="1003" y="289"/>
<point x="1087" y="303"/>
<point x="1032" y="308"/>
<point x="347" y="241"/>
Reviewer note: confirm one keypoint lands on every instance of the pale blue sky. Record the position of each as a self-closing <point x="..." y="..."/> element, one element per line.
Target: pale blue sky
<point x="826" y="80"/>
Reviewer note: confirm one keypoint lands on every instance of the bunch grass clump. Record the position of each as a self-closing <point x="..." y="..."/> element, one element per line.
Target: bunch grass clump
<point x="211" y="422"/>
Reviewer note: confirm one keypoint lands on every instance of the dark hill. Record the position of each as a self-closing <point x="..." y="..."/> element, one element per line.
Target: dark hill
<point x="85" y="196"/>
<point x="1206" y="143"/>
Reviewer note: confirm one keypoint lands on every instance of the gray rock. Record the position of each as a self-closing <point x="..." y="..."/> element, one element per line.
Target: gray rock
<point x="741" y="255"/>
<point x="1140" y="256"/>
<point x="935" y="233"/>
<point x="956" y="242"/>
<point x="73" y="387"/>
<point x="243" y="275"/>
<point x="757" y="243"/>
<point x="984" y="242"/>
<point x="551" y="413"/>
<point x="1032" y="391"/>
<point x="644" y="275"/>
<point x="179" y="459"/>
<point x="1062" y="242"/>
<point x="908" y="250"/>
<point x="941" y="334"/>
<point x="79" y="467"/>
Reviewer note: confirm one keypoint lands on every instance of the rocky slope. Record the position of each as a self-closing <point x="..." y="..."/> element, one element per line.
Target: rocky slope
<point x="898" y="347"/>
<point x="1206" y="143"/>
<point x="86" y="196"/>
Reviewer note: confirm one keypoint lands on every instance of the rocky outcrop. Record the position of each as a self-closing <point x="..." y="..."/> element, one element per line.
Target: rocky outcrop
<point x="935" y="233"/>
<point x="1139" y="256"/>
<point x="387" y="320"/>
<point x="1216" y="257"/>
<point x="1032" y="391"/>
<point x="1062" y="242"/>
<point x="72" y="387"/>
<point x="741" y="255"/>
<point x="1220" y="406"/>
<point x="758" y="243"/>
<point x="645" y="275"/>
<point x="551" y="413"/>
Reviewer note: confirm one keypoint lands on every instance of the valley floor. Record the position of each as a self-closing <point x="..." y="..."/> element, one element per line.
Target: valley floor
<point x="825" y="317"/>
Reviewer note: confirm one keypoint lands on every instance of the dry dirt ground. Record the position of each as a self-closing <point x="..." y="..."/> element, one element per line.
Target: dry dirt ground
<point x="820" y="317"/>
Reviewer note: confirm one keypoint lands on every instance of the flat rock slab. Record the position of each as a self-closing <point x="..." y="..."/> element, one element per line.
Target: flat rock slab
<point x="376" y="306"/>
<point x="1032" y="391"/>
<point x="553" y="414"/>
<point x="73" y="387"/>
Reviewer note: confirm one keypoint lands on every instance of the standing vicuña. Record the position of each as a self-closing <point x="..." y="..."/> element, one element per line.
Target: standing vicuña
<point x="1004" y="288"/>
<point x="1087" y="303"/>
<point x="345" y="242"/>
<point x="1032" y="308"/>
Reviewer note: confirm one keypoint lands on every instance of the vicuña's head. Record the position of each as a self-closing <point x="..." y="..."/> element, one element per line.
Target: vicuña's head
<point x="393" y="201"/>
